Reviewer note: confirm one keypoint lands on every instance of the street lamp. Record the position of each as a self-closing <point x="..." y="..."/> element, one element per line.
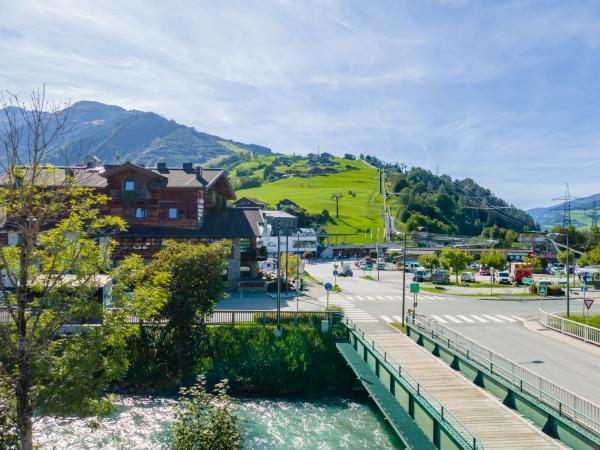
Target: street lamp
<point x="567" y="267"/>
<point x="403" y="278"/>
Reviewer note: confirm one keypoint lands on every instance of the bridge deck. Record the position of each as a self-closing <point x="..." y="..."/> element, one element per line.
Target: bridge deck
<point x="400" y="420"/>
<point x="497" y="426"/>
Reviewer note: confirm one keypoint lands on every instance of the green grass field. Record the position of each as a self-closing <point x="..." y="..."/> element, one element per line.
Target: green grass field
<point x="360" y="215"/>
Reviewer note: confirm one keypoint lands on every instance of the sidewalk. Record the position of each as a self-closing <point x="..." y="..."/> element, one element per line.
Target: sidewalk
<point x="261" y="301"/>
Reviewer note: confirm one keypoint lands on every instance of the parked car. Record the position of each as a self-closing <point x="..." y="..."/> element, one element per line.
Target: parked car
<point x="467" y="277"/>
<point x="474" y="266"/>
<point x="503" y="278"/>
<point x="421" y="275"/>
<point x="380" y="266"/>
<point x="544" y="283"/>
<point x="346" y="272"/>
<point x="440" y="277"/>
<point x="484" y="271"/>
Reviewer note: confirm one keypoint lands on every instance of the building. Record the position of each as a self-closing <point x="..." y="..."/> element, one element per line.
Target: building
<point x="287" y="202"/>
<point x="185" y="203"/>
<point x="250" y="202"/>
<point x="281" y="229"/>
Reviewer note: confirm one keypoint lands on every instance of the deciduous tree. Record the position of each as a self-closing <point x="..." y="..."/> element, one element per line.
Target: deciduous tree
<point x="455" y="260"/>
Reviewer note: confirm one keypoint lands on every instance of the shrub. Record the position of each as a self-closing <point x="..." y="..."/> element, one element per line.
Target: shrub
<point x="553" y="290"/>
<point x="206" y="421"/>
<point x="9" y="438"/>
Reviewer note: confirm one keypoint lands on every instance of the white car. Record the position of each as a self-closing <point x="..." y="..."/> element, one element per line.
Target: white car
<point x="504" y="278"/>
<point x="467" y="277"/>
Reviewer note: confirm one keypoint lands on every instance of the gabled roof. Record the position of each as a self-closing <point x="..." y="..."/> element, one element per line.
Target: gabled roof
<point x="110" y="170"/>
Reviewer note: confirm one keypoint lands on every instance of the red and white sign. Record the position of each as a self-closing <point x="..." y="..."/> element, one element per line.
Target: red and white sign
<point x="588" y="303"/>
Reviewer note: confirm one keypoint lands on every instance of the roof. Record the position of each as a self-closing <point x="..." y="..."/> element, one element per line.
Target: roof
<point x="279" y="214"/>
<point x="228" y="224"/>
<point x="55" y="176"/>
<point x="287" y="200"/>
<point x="252" y="200"/>
<point x="176" y="177"/>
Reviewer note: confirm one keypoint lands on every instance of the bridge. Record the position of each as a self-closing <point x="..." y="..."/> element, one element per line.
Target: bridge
<point x="461" y="396"/>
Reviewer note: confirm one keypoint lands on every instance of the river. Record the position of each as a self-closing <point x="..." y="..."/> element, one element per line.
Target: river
<point x="144" y="423"/>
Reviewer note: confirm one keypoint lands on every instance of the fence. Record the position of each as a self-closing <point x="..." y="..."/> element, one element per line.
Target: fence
<point x="566" y="403"/>
<point x="570" y="327"/>
<point x="237" y="317"/>
<point x="469" y="439"/>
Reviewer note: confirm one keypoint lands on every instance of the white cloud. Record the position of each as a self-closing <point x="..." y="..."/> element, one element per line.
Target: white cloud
<point x="503" y="92"/>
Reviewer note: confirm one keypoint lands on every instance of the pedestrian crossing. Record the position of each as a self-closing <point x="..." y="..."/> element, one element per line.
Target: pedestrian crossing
<point x="392" y="297"/>
<point x="473" y="318"/>
<point x="352" y="311"/>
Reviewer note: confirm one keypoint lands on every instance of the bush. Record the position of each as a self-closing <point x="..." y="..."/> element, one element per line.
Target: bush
<point x="555" y="290"/>
<point x="206" y="421"/>
<point x="9" y="438"/>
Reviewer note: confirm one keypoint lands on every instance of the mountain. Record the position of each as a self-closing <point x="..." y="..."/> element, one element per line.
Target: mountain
<point x="582" y="212"/>
<point x="115" y="134"/>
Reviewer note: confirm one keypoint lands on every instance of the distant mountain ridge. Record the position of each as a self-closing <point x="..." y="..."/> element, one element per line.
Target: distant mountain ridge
<point x="581" y="212"/>
<point x="115" y="134"/>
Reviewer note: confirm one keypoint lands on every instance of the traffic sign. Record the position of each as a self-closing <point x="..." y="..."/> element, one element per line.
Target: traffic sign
<point x="584" y="288"/>
<point x="588" y="303"/>
<point x="557" y="274"/>
<point x="328" y="286"/>
<point x="335" y="273"/>
<point x="527" y="281"/>
<point x="414" y="288"/>
<point x="543" y="290"/>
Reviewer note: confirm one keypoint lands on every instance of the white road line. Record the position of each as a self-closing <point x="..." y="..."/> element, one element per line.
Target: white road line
<point x="508" y="319"/>
<point x="350" y="298"/>
<point x="387" y="319"/>
<point x="520" y="318"/>
<point x="480" y="319"/>
<point x="439" y="319"/>
<point x="398" y="297"/>
<point x="437" y="297"/>
<point x="492" y="318"/>
<point x="397" y="318"/>
<point x="380" y="297"/>
<point x="389" y="297"/>
<point x="465" y="318"/>
<point x="358" y="297"/>
<point x="452" y="318"/>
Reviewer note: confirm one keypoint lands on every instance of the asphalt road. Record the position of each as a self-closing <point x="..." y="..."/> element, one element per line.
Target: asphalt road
<point x="495" y="322"/>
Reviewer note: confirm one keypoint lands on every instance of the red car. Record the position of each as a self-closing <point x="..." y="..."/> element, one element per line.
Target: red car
<point x="484" y="272"/>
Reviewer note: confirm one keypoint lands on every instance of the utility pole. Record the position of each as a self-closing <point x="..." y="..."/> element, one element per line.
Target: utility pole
<point x="337" y="197"/>
<point x="278" y="330"/>
<point x="298" y="261"/>
<point x="287" y="256"/>
<point x="403" y="279"/>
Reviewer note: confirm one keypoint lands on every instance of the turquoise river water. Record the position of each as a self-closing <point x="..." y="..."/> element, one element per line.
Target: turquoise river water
<point x="144" y="423"/>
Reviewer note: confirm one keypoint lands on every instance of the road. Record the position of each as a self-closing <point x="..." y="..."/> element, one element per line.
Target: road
<point x="497" y="323"/>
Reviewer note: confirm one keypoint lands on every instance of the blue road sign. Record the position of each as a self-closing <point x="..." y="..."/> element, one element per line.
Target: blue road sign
<point x="335" y="273"/>
<point x="328" y="286"/>
<point x="543" y="290"/>
<point x="584" y="288"/>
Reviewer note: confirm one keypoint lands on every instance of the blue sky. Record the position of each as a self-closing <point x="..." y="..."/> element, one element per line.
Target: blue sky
<point x="505" y="92"/>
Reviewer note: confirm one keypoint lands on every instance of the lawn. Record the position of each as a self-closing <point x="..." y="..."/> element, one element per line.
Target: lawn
<point x="594" y="321"/>
<point x="360" y="214"/>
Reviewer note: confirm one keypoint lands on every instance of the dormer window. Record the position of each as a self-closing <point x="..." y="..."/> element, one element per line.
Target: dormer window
<point x="129" y="185"/>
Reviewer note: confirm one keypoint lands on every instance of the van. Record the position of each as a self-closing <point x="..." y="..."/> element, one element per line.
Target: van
<point x="421" y="275"/>
<point x="412" y="266"/>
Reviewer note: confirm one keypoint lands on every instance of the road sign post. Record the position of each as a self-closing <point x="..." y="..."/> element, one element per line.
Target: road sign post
<point x="588" y="304"/>
<point x="414" y="289"/>
<point x="328" y="288"/>
<point x="335" y="274"/>
<point x="542" y="291"/>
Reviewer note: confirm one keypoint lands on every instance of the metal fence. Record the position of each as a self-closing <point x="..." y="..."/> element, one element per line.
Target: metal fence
<point x="261" y="317"/>
<point x="570" y="327"/>
<point x="470" y="440"/>
<point x="566" y="403"/>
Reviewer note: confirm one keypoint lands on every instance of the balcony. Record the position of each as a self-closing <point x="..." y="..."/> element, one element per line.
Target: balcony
<point x="129" y="195"/>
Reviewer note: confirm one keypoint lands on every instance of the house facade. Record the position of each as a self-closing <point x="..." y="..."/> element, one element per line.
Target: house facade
<point x="280" y="231"/>
<point x="184" y="203"/>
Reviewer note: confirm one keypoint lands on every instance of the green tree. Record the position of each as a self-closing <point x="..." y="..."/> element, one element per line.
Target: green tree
<point x="429" y="261"/>
<point x="196" y="285"/>
<point x="562" y="256"/>
<point x="493" y="260"/>
<point x="206" y="421"/>
<point x="591" y="257"/>
<point x="53" y="267"/>
<point x="9" y="436"/>
<point x="455" y="261"/>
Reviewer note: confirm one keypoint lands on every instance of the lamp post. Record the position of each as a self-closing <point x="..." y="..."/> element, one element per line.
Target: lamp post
<point x="278" y="330"/>
<point x="567" y="268"/>
<point x="403" y="278"/>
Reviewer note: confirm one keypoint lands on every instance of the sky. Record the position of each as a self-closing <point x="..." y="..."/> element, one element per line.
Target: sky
<point x="504" y="92"/>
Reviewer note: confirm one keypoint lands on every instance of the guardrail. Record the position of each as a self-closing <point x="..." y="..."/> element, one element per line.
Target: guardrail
<point x="566" y="403"/>
<point x="469" y="438"/>
<point x="570" y="327"/>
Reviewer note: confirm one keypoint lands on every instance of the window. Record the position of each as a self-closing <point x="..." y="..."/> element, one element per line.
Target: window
<point x="172" y="213"/>
<point x="140" y="213"/>
<point x="129" y="185"/>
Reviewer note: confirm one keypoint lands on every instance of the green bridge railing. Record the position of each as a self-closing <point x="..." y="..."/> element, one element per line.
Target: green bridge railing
<point x="460" y="431"/>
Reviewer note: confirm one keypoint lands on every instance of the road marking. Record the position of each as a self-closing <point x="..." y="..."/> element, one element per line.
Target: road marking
<point x="387" y="319"/>
<point x="358" y="297"/>
<point x="465" y="318"/>
<point x="492" y="318"/>
<point x="481" y="319"/>
<point x="520" y="318"/>
<point x="452" y="318"/>
<point x="508" y="319"/>
<point x="350" y="298"/>
<point x="380" y="298"/>
<point x="439" y="319"/>
<point x="389" y="297"/>
<point x="397" y="318"/>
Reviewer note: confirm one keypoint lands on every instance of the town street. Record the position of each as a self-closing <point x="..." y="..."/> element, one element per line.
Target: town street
<point x="498" y="323"/>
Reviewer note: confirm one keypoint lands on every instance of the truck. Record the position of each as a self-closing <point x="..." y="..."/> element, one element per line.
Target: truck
<point x="519" y="271"/>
